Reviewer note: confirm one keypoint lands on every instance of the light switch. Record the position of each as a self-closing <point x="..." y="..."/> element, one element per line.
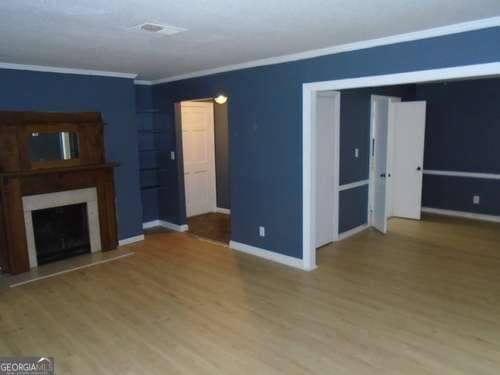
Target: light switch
<point x="476" y="199"/>
<point x="356" y="153"/>
<point x="172" y="155"/>
<point x="262" y="231"/>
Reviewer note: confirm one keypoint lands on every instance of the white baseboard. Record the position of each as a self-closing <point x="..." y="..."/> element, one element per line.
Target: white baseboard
<point x="467" y="215"/>
<point x="223" y="210"/>
<point x="151" y="224"/>
<point x="176" y="227"/>
<point x="269" y="255"/>
<point x="130" y="240"/>
<point x="165" y="224"/>
<point x="352" y="232"/>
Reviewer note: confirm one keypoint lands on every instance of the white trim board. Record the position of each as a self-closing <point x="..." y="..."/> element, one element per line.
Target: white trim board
<point x="269" y="255"/>
<point x="353" y="231"/>
<point x="165" y="224"/>
<point x="309" y="92"/>
<point x="467" y="215"/>
<point x="127" y="241"/>
<point x="491" y="176"/>
<point x="223" y="210"/>
<point x="70" y="270"/>
<point x="353" y="185"/>
<point x="399" y="38"/>
<point x="55" y="69"/>
<point x="142" y="82"/>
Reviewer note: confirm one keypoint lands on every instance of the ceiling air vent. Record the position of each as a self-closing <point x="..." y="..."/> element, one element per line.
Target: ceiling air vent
<point x="157" y="28"/>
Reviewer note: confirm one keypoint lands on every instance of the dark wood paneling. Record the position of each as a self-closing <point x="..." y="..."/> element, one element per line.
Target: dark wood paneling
<point x="4" y="254"/>
<point x="9" y="149"/>
<point x="17" y="127"/>
<point x="14" y="229"/>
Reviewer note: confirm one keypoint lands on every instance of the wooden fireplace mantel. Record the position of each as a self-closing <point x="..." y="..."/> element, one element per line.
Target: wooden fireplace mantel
<point x="19" y="177"/>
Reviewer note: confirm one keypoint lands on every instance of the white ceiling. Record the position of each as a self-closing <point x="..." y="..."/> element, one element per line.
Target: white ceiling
<point x="93" y="34"/>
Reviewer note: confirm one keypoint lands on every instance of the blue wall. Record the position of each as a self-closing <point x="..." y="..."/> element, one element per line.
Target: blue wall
<point x="266" y="125"/>
<point x="143" y="97"/>
<point x="355" y="114"/>
<point x="462" y="125"/>
<point x="113" y="97"/>
<point x="462" y="134"/>
<point x="353" y="208"/>
<point x="455" y="193"/>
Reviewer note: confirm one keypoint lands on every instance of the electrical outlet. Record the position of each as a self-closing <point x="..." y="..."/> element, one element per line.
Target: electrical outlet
<point x="356" y="153"/>
<point x="262" y="231"/>
<point x="476" y="199"/>
<point x="172" y="155"/>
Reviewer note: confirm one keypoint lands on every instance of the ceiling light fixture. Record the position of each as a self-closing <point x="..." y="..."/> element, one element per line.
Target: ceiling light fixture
<point x="220" y="99"/>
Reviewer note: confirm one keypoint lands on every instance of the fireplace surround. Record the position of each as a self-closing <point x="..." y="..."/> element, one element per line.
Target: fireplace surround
<point x="69" y="177"/>
<point x="39" y="202"/>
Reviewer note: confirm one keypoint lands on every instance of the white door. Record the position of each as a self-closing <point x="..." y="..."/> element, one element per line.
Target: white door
<point x="408" y="129"/>
<point x="326" y="118"/>
<point x="380" y="117"/>
<point x="199" y="157"/>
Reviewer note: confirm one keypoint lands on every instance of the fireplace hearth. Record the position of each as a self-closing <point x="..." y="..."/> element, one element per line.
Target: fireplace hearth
<point x="61" y="232"/>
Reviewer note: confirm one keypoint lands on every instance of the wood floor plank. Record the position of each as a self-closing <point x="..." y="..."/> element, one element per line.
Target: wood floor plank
<point x="424" y="299"/>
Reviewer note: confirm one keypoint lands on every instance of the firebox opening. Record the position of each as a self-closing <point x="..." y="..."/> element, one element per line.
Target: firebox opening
<point x="61" y="232"/>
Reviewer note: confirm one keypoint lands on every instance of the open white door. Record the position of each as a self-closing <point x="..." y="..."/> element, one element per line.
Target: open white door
<point x="380" y="118"/>
<point x="407" y="122"/>
<point x="326" y="195"/>
<point x="199" y="157"/>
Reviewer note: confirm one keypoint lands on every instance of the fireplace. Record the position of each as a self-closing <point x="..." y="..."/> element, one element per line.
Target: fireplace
<point x="61" y="224"/>
<point x="57" y="194"/>
<point x="61" y="232"/>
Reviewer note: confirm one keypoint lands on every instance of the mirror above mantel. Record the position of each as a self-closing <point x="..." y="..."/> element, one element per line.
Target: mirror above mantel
<point x="53" y="146"/>
<point x="36" y="141"/>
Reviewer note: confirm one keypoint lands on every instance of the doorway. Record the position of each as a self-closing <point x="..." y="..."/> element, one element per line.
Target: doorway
<point x="203" y="134"/>
<point x="309" y="139"/>
<point x="397" y="137"/>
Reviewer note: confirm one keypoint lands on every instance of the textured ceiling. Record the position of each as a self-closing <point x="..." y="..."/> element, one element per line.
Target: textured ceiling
<point x="94" y="34"/>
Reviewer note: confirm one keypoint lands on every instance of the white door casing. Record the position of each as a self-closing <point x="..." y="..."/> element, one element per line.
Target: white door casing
<point x="380" y="165"/>
<point x="327" y="105"/>
<point x="197" y="119"/>
<point x="408" y="128"/>
<point x="381" y="115"/>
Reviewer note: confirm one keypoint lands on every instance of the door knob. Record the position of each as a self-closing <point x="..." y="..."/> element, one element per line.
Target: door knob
<point x="419" y="168"/>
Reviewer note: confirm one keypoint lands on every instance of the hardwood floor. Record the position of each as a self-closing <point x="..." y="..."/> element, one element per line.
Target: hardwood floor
<point x="424" y="299"/>
<point x="212" y="226"/>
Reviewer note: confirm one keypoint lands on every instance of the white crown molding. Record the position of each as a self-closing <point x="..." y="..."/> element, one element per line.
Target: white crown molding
<point x="490" y="176"/>
<point x="142" y="82"/>
<point x="54" y="69"/>
<point x="407" y="37"/>
<point x="466" y="215"/>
